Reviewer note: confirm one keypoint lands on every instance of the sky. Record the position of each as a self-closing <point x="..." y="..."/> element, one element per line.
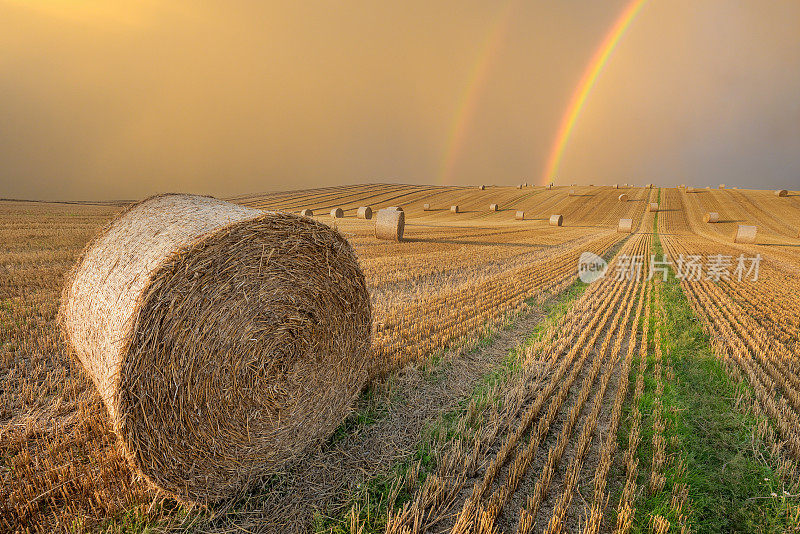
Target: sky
<point x="112" y="99"/>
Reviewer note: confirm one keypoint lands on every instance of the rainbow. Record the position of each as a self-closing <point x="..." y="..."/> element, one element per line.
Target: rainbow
<point x="468" y="102"/>
<point x="585" y="86"/>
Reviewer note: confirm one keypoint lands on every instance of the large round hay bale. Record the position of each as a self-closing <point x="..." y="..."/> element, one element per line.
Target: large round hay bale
<point x="519" y="215"/>
<point x="781" y="193"/>
<point x="623" y="197"/>
<point x="690" y="189"/>
<point x="394" y="208"/>
<point x="364" y="212"/>
<point x="390" y="224"/>
<point x="224" y="341"/>
<point x="454" y="208"/>
<point x="653" y="206"/>
<point x="482" y="187"/>
<point x="711" y="217"/>
<point x="337" y="213"/>
<point x="745" y="234"/>
<point x="556" y="220"/>
<point x="493" y="207"/>
<point x="426" y="207"/>
<point x="625" y="226"/>
<point x="307" y="213"/>
<point x="615" y="186"/>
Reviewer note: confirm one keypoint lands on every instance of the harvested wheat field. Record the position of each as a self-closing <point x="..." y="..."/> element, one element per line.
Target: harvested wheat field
<point x="230" y="366"/>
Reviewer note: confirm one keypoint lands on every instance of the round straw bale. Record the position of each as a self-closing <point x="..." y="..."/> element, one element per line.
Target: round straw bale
<point x="722" y="186"/>
<point x="307" y="213"/>
<point x="711" y="217"/>
<point x="549" y="186"/>
<point x="745" y="234"/>
<point x="364" y="212"/>
<point x="572" y="192"/>
<point x="394" y="208"/>
<point x="525" y="184"/>
<point x="520" y="216"/>
<point x="224" y="341"/>
<point x="454" y="208"/>
<point x="653" y="206"/>
<point x="623" y="197"/>
<point x="556" y="220"/>
<point x="482" y="187"/>
<point x="519" y="186"/>
<point x="426" y="207"/>
<point x="690" y="189"/>
<point x="389" y="224"/>
<point x="781" y="193"/>
<point x="615" y="186"/>
<point x="649" y="186"/>
<point x="682" y="186"/>
<point x="493" y="207"/>
<point x="337" y="213"/>
<point x="625" y="226"/>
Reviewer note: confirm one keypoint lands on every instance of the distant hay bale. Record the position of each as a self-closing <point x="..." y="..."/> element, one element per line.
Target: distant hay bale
<point x="781" y="193"/>
<point x="549" y="186"/>
<point x="224" y="341"/>
<point x="307" y="213"/>
<point x="572" y="193"/>
<point x="520" y="215"/>
<point x="556" y="220"/>
<point x="519" y="186"/>
<point x="625" y="226"/>
<point x="711" y="217"/>
<point x="426" y="207"/>
<point x="653" y="206"/>
<point x="365" y="212"/>
<point x="722" y="186"/>
<point x="482" y="187"/>
<point x="623" y="197"/>
<point x="649" y="186"/>
<point x="525" y="184"/>
<point x="682" y="186"/>
<point x="493" y="207"/>
<point x="745" y="234"/>
<point x="690" y="189"/>
<point x="454" y="208"/>
<point x="337" y="213"/>
<point x="390" y="224"/>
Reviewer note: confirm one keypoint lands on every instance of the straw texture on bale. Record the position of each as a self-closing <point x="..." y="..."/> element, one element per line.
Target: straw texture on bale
<point x="364" y="212"/>
<point x="745" y="234"/>
<point x="781" y="193"/>
<point x="711" y="217"/>
<point x="223" y="341"/>
<point x="653" y="206"/>
<point x="625" y="226"/>
<point x="390" y="224"/>
<point x="493" y="207"/>
<point x="454" y="208"/>
<point x="520" y="216"/>
<point x="307" y="213"/>
<point x="556" y="220"/>
<point x="623" y="197"/>
<point x="426" y="207"/>
<point x="337" y="213"/>
<point x="394" y="208"/>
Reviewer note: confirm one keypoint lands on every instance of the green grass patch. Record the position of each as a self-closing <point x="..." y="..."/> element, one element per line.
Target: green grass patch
<point x="732" y="486"/>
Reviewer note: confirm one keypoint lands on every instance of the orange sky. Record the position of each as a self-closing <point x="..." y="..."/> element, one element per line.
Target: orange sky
<point x="105" y="99"/>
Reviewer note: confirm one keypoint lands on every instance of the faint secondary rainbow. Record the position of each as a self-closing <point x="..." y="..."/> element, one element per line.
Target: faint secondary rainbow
<point x="586" y="84"/>
<point x="468" y="102"/>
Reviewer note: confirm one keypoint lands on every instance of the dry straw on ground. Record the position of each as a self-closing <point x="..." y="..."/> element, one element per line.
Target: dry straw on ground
<point x="556" y="220"/>
<point x="653" y="206"/>
<point x="364" y="212"/>
<point x="307" y="213"/>
<point x="224" y="341"/>
<point x="623" y="197"/>
<point x="745" y="234"/>
<point x="625" y="226"/>
<point x="711" y="217"/>
<point x="493" y="207"/>
<point x="390" y="224"/>
<point x="454" y="208"/>
<point x="520" y="215"/>
<point x="781" y="193"/>
<point x="337" y="213"/>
